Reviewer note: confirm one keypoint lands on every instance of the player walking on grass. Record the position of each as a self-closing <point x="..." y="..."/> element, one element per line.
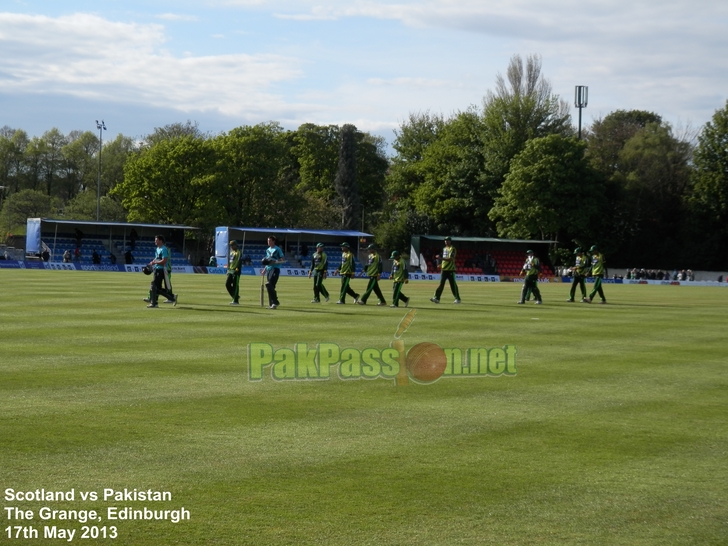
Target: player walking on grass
<point x="597" y="271"/>
<point x="161" y="277"/>
<point x="319" y="266"/>
<point x="400" y="277"/>
<point x="531" y="268"/>
<point x="232" y="284"/>
<point x="167" y="281"/>
<point x="347" y="273"/>
<point x="447" y="272"/>
<point x="374" y="271"/>
<point x="273" y="259"/>
<point x="579" y="273"/>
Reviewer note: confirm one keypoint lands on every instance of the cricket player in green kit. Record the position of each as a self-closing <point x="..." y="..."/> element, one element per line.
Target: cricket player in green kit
<point x="399" y="278"/>
<point x="347" y="271"/>
<point x="447" y="272"/>
<point x="233" y="273"/>
<point x="532" y="267"/>
<point x="579" y="273"/>
<point x="597" y="271"/>
<point x="319" y="265"/>
<point x="374" y="270"/>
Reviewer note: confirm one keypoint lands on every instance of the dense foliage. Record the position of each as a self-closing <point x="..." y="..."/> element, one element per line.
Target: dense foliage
<point x="511" y="168"/>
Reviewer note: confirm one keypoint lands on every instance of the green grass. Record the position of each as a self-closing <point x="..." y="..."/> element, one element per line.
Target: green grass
<point x="613" y="431"/>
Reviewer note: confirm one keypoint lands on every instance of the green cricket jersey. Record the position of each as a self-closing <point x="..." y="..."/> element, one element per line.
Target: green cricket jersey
<point x="581" y="265"/>
<point x="532" y="266"/>
<point x="373" y="265"/>
<point x="399" y="270"/>
<point x="319" y="262"/>
<point x="448" y="258"/>
<point x="347" y="264"/>
<point x="235" y="258"/>
<point x="597" y="264"/>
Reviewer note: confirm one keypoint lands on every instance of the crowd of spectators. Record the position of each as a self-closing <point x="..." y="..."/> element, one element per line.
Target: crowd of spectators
<point x="660" y="275"/>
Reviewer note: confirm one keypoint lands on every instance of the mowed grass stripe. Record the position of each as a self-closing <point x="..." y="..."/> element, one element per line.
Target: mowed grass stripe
<point x="613" y="430"/>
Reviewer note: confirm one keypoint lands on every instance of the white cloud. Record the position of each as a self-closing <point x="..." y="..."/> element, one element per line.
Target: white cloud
<point x="438" y="55"/>
<point x="87" y="56"/>
<point x="176" y="17"/>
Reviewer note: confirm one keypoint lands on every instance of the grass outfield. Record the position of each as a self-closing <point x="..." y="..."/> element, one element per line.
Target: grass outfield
<point x="613" y="431"/>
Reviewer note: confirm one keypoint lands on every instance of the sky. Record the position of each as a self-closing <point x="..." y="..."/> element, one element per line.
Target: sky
<point x="227" y="63"/>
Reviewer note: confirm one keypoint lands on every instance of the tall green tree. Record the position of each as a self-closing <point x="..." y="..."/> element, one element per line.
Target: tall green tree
<point x="315" y="154"/>
<point x="607" y="136"/>
<point x="17" y="167"/>
<point x="400" y="219"/>
<point x="708" y="202"/>
<point x="371" y="169"/>
<point x="20" y="206"/>
<point x="345" y="182"/>
<point x="647" y="169"/>
<point x="255" y="184"/>
<point x="171" y="182"/>
<point x="175" y="131"/>
<point x="51" y="158"/>
<point x="83" y="207"/>
<point x="113" y="158"/>
<point x="452" y="193"/>
<point x="522" y="107"/>
<point x="79" y="169"/>
<point x="550" y="193"/>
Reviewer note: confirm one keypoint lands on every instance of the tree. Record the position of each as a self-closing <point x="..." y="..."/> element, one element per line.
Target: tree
<point x="174" y="131"/>
<point x="448" y="172"/>
<point x="171" y="182"/>
<point x="255" y="184"/>
<point x="371" y="169"/>
<point x="113" y="158"/>
<point x="51" y="157"/>
<point x="83" y="207"/>
<point x="315" y="152"/>
<point x="20" y="206"/>
<point x="607" y="136"/>
<point x="79" y="167"/>
<point x="346" y="182"/>
<point x="708" y="202"/>
<point x="551" y="192"/>
<point x="399" y="219"/>
<point x="452" y="192"/>
<point x="17" y="147"/>
<point x="518" y="110"/>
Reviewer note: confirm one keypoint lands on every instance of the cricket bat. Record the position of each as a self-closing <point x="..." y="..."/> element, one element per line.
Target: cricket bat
<point x="262" y="289"/>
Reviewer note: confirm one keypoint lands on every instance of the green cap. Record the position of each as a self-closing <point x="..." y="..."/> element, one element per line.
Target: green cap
<point x="529" y="252"/>
<point x="344" y="244"/>
<point x="448" y="238"/>
<point x="593" y="248"/>
<point x="320" y="245"/>
<point x="371" y="247"/>
<point x="233" y="243"/>
<point x="395" y="254"/>
<point x="578" y="250"/>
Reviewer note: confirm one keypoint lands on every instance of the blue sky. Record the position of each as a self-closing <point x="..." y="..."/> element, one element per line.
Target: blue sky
<point x="226" y="63"/>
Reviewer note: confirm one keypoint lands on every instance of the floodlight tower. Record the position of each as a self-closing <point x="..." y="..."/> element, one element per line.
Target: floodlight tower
<point x="101" y="127"/>
<point x="581" y="97"/>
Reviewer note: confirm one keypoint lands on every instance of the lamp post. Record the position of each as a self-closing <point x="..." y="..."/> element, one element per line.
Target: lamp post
<point x="581" y="97"/>
<point x="101" y="127"/>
